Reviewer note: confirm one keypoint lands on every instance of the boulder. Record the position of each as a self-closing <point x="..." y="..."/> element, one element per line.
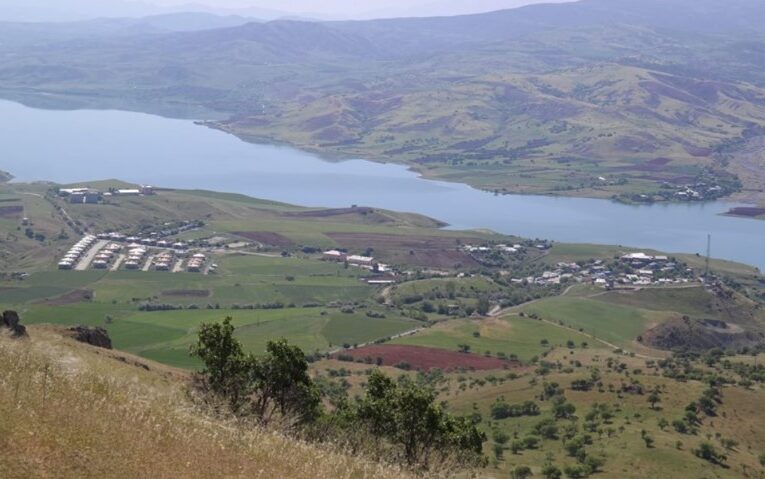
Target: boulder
<point x="11" y="321"/>
<point x="98" y="337"/>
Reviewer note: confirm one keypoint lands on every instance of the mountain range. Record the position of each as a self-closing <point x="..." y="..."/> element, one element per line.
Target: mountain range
<point x="649" y="94"/>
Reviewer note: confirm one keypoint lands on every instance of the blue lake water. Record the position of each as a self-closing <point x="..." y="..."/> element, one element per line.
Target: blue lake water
<point x="71" y="146"/>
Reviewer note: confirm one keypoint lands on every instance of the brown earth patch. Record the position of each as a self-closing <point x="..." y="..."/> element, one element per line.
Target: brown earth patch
<point x="188" y="293"/>
<point x="422" y="358"/>
<point x="266" y="237"/>
<point x="430" y="251"/>
<point x="72" y="297"/>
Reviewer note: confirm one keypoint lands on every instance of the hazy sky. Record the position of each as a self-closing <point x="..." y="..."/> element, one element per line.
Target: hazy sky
<point x="75" y="9"/>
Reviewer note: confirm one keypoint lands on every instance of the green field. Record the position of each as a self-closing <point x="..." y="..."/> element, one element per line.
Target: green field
<point x="166" y="336"/>
<point x="512" y="335"/>
<point x="616" y="324"/>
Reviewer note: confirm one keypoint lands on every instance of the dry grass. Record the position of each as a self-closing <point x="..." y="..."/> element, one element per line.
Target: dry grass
<point x="71" y="411"/>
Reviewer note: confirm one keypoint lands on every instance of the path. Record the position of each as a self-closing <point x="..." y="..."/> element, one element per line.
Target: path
<point x="396" y="336"/>
<point x="118" y="262"/>
<point x="148" y="264"/>
<point x="85" y="261"/>
<point x="178" y="268"/>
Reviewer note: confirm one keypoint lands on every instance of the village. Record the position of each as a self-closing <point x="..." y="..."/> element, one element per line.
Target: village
<point x="630" y="270"/>
<point x="115" y="251"/>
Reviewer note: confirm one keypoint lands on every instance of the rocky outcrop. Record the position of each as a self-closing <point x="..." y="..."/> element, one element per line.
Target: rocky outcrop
<point x="11" y="322"/>
<point x="98" y="337"/>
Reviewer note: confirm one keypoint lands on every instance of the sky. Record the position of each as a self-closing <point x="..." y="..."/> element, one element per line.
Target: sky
<point x="52" y="10"/>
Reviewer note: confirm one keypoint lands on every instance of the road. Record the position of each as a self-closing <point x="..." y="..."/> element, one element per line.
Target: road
<point x="90" y="254"/>
<point x="178" y="268"/>
<point x="118" y="262"/>
<point x="397" y="336"/>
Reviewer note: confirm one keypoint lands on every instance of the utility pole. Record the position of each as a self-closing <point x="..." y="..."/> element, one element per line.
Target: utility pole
<point x="709" y="254"/>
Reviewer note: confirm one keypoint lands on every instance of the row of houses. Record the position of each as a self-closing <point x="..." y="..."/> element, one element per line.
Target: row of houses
<point x="197" y="263"/>
<point x="106" y="256"/>
<point x="137" y="241"/>
<point x="136" y="257"/>
<point x="164" y="261"/>
<point x="502" y="248"/>
<point x="76" y="252"/>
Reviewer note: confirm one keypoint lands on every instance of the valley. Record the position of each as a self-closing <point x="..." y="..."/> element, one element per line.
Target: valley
<point x="523" y="243"/>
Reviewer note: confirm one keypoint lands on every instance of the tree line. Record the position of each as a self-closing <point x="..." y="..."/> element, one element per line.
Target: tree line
<point x="397" y="421"/>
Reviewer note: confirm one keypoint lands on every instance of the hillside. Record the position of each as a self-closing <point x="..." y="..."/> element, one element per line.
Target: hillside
<point x="630" y="99"/>
<point x="69" y="410"/>
<point x="550" y="133"/>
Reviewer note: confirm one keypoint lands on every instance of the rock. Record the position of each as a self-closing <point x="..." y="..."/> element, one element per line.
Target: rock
<point x="11" y="321"/>
<point x="98" y="337"/>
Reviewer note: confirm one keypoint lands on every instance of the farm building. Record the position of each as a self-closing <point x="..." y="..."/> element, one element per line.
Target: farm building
<point x="334" y="255"/>
<point x="85" y="197"/>
<point x="361" y="260"/>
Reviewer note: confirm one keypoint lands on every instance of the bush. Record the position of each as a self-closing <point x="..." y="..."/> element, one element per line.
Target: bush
<point x="551" y="472"/>
<point x="521" y="472"/>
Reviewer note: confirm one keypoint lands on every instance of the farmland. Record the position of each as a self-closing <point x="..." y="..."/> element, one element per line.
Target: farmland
<point x="487" y="321"/>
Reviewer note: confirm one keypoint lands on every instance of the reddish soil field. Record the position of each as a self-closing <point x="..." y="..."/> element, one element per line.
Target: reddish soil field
<point x="431" y="251"/>
<point x="189" y="293"/>
<point x="266" y="237"/>
<point x="421" y="358"/>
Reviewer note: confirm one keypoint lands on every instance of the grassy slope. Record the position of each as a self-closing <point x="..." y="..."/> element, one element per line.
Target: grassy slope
<point x="137" y="423"/>
<point x="605" y="120"/>
<point x="625" y="452"/>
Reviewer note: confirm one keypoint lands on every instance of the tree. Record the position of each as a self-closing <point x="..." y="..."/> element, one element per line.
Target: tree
<point x="708" y="452"/>
<point x="654" y="399"/>
<point x="278" y="382"/>
<point x="562" y="409"/>
<point x="501" y="437"/>
<point x="226" y="367"/>
<point x="648" y="440"/>
<point x="410" y="418"/>
<point x="282" y="383"/>
<point x="483" y="306"/>
<point x="547" y="429"/>
<point x="521" y="472"/>
<point x="576" y="471"/>
<point x="551" y="472"/>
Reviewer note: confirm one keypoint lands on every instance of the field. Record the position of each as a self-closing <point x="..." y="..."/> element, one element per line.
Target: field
<point x="474" y="336"/>
<point x="510" y="336"/>
<point x="424" y="359"/>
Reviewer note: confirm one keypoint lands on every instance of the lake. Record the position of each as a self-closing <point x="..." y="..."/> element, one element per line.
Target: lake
<point x="71" y="146"/>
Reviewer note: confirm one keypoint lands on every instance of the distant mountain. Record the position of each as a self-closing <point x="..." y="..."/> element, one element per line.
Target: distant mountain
<point x="649" y="91"/>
